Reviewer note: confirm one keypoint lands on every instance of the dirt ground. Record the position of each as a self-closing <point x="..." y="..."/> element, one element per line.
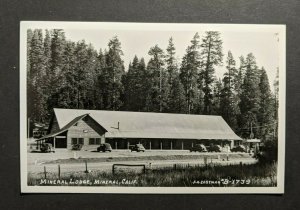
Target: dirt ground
<point x="74" y="161"/>
<point x="119" y="155"/>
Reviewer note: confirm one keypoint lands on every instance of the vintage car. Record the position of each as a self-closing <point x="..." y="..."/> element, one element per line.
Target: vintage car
<point x="46" y="147"/>
<point x="104" y="148"/>
<point x="77" y="147"/>
<point x="198" y="148"/>
<point x="239" y="148"/>
<point x="214" y="148"/>
<point x="137" y="147"/>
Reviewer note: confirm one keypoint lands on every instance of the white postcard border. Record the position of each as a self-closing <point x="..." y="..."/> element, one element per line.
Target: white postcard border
<point x="280" y="29"/>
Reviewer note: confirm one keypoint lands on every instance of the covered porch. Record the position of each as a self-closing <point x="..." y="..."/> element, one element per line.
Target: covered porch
<point x="165" y="144"/>
<point x="57" y="140"/>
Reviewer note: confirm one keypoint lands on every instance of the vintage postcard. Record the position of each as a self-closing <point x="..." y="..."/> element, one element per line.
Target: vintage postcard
<point x="152" y="108"/>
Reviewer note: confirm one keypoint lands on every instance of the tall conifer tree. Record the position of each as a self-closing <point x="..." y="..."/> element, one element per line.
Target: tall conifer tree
<point x="159" y="87"/>
<point x="211" y="56"/>
<point x="266" y="110"/>
<point x="111" y="77"/>
<point x="189" y="75"/>
<point x="229" y="96"/>
<point x="250" y="98"/>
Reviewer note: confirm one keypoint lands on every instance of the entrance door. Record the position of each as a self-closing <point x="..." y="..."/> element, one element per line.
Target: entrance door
<point x="61" y="142"/>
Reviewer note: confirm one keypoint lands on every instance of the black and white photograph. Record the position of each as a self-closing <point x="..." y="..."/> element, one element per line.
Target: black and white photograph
<point x="109" y="107"/>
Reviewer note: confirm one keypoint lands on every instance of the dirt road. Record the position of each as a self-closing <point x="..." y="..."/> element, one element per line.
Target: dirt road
<point x="107" y="166"/>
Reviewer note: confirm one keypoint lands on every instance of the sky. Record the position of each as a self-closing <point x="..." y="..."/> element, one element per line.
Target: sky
<point x="138" y="38"/>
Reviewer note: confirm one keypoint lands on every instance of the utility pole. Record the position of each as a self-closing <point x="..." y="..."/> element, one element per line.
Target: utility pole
<point x="160" y="98"/>
<point x="28" y="127"/>
<point x="251" y="131"/>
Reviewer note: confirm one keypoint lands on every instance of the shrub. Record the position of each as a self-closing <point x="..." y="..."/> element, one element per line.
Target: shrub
<point x="268" y="152"/>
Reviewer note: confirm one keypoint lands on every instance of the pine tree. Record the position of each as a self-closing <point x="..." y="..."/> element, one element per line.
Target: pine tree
<point x="47" y="50"/>
<point x="111" y="78"/>
<point x="132" y="86"/>
<point x="240" y="77"/>
<point x="54" y="76"/>
<point x="159" y="82"/>
<point x="229" y="95"/>
<point x="67" y="91"/>
<point x="99" y="69"/>
<point x="176" y="97"/>
<point x="250" y="98"/>
<point x="266" y="110"/>
<point x="217" y="97"/>
<point x="84" y="71"/>
<point x="36" y="74"/>
<point x="171" y="63"/>
<point x="211" y="56"/>
<point x="91" y="72"/>
<point x="143" y="86"/>
<point x="189" y="75"/>
<point x="29" y="40"/>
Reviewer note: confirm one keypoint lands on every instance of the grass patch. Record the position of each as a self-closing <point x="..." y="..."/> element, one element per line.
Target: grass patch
<point x="255" y="175"/>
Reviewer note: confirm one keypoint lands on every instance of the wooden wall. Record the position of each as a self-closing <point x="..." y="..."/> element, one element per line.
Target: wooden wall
<point x="86" y="128"/>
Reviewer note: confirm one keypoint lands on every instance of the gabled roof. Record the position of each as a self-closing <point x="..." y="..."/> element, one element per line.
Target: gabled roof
<point x="66" y="127"/>
<point x="151" y="125"/>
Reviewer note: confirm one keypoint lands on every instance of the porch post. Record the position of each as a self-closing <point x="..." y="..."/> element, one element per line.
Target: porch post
<point x="171" y="144"/>
<point x="127" y="144"/>
<point x="116" y="145"/>
<point x="150" y="145"/>
<point x="54" y="142"/>
<point x="181" y="145"/>
<point x="160" y="145"/>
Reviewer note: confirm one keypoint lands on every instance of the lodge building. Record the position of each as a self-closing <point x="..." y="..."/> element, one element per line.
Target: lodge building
<point x="121" y="129"/>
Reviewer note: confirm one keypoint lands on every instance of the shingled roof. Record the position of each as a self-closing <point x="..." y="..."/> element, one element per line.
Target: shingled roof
<point x="151" y="125"/>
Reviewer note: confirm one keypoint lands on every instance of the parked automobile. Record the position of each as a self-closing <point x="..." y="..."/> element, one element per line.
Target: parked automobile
<point x="198" y="148"/>
<point x="137" y="147"/>
<point x="214" y="148"/>
<point x="46" y="147"/>
<point x="239" y="148"/>
<point x="104" y="148"/>
<point x="76" y="146"/>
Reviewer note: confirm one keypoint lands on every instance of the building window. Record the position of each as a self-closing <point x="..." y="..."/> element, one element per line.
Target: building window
<point x="91" y="141"/>
<point x="74" y="141"/>
<point x="94" y="141"/>
<point x="77" y="141"/>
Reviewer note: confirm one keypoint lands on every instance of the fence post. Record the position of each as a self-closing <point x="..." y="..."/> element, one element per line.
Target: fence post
<point x="86" y="168"/>
<point x="113" y="169"/>
<point x="175" y="166"/>
<point x="144" y="169"/>
<point x="58" y="171"/>
<point x="45" y="172"/>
